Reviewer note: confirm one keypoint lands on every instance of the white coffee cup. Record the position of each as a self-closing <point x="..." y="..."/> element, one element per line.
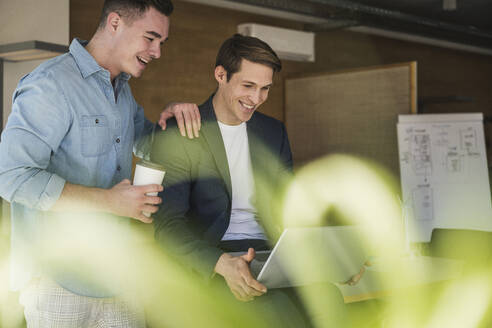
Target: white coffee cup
<point x="148" y="173"/>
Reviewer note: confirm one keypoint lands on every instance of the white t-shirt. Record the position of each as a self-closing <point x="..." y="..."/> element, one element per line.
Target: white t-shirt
<point x="243" y="224"/>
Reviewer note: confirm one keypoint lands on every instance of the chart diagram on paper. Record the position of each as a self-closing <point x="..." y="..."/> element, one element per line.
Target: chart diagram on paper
<point x="444" y="175"/>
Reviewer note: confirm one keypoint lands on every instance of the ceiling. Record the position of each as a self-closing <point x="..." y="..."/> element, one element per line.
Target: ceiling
<point x="464" y="22"/>
<point x="474" y="13"/>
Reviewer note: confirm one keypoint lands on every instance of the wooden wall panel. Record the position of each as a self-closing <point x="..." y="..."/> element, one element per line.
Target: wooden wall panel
<point x="352" y="112"/>
<point x="441" y="72"/>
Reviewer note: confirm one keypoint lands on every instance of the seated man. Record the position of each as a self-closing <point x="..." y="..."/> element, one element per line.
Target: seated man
<point x="214" y="184"/>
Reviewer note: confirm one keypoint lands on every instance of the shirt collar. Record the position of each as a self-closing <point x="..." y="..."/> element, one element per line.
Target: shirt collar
<point x="86" y="63"/>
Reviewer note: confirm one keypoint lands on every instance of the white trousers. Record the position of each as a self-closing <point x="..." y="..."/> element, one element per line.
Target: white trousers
<point x="46" y="304"/>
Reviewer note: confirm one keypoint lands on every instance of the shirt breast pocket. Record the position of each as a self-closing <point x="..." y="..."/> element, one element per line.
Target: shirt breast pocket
<point x="96" y="136"/>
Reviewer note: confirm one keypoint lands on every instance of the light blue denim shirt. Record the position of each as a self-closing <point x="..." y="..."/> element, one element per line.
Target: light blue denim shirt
<point x="68" y="123"/>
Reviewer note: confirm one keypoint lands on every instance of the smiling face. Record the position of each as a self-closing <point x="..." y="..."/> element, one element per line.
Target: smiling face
<point x="237" y="99"/>
<point x="138" y="42"/>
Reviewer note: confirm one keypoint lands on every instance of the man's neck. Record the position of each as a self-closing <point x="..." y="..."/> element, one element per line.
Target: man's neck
<point x="102" y="54"/>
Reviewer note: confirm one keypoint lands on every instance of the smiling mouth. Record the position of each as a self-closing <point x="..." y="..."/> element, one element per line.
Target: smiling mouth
<point x="143" y="60"/>
<point x="247" y="107"/>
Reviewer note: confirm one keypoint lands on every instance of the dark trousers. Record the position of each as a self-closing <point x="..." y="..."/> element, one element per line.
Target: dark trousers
<point x="319" y="305"/>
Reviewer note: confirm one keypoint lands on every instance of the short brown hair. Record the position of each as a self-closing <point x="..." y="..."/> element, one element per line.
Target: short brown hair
<point x="133" y="9"/>
<point x="239" y="47"/>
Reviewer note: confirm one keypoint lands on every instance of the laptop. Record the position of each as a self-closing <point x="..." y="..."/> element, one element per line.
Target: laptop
<point x="305" y="256"/>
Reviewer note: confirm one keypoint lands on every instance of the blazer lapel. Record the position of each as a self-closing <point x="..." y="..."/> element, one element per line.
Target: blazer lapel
<point x="211" y="133"/>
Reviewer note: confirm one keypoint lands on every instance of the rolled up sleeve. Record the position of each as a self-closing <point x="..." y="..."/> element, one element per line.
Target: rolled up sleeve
<point x="41" y="191"/>
<point x="35" y="129"/>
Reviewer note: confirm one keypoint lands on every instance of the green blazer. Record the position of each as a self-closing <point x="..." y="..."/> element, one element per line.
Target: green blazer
<point x="197" y="192"/>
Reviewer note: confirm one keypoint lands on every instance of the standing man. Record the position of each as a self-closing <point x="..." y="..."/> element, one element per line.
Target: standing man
<point x="67" y="148"/>
<point x="218" y="189"/>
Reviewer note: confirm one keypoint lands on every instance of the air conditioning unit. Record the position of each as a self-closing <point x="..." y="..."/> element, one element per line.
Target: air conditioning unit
<point x="288" y="44"/>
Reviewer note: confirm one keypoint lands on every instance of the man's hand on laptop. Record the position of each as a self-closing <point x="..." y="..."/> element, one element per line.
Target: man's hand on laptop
<point x="354" y="280"/>
<point x="235" y="270"/>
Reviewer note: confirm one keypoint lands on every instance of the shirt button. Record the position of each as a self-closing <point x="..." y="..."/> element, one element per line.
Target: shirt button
<point x="117" y="140"/>
<point x="118" y="168"/>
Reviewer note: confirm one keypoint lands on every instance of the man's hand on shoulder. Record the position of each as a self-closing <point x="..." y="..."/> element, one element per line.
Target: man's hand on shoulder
<point x="235" y="270"/>
<point x="124" y="199"/>
<point x="187" y="116"/>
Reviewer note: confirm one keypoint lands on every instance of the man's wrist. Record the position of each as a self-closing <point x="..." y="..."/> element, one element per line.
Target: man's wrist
<point x="219" y="266"/>
<point x="104" y="200"/>
<point x="81" y="198"/>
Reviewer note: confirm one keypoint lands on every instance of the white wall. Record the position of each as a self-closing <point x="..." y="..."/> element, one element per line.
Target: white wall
<point x="25" y="20"/>
<point x="43" y="20"/>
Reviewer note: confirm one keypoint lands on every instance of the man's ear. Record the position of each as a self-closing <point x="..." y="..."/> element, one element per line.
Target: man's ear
<point x="113" y="21"/>
<point x="220" y="74"/>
